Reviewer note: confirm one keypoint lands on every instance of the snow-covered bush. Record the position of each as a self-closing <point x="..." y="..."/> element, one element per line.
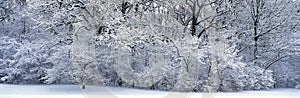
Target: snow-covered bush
<point x="258" y="78"/>
<point x="24" y="62"/>
<point x="247" y="78"/>
<point x="297" y="87"/>
<point x="62" y="69"/>
<point x="233" y="80"/>
<point x="8" y="58"/>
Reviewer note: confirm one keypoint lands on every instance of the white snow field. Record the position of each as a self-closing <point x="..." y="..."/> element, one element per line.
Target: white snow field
<point x="74" y="91"/>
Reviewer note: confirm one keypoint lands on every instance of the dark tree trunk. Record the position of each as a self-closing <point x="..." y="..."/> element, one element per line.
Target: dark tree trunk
<point x="194" y="24"/>
<point x="83" y="87"/>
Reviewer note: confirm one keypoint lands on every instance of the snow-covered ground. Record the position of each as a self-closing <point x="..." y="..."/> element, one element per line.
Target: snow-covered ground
<point x="74" y="91"/>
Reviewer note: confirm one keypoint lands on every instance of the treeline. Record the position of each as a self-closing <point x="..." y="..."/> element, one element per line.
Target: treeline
<point x="178" y="45"/>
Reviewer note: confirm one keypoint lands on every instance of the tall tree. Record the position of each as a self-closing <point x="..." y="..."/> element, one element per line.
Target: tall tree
<point x="267" y="24"/>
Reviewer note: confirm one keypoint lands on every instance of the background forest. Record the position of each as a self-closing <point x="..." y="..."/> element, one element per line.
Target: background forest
<point x="174" y="45"/>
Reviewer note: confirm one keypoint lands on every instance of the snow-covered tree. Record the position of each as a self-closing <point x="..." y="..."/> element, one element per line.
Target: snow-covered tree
<point x="267" y="23"/>
<point x="95" y="17"/>
<point x="286" y="71"/>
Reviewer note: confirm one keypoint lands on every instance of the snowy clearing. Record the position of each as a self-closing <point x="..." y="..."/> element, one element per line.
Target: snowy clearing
<point x="74" y="91"/>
